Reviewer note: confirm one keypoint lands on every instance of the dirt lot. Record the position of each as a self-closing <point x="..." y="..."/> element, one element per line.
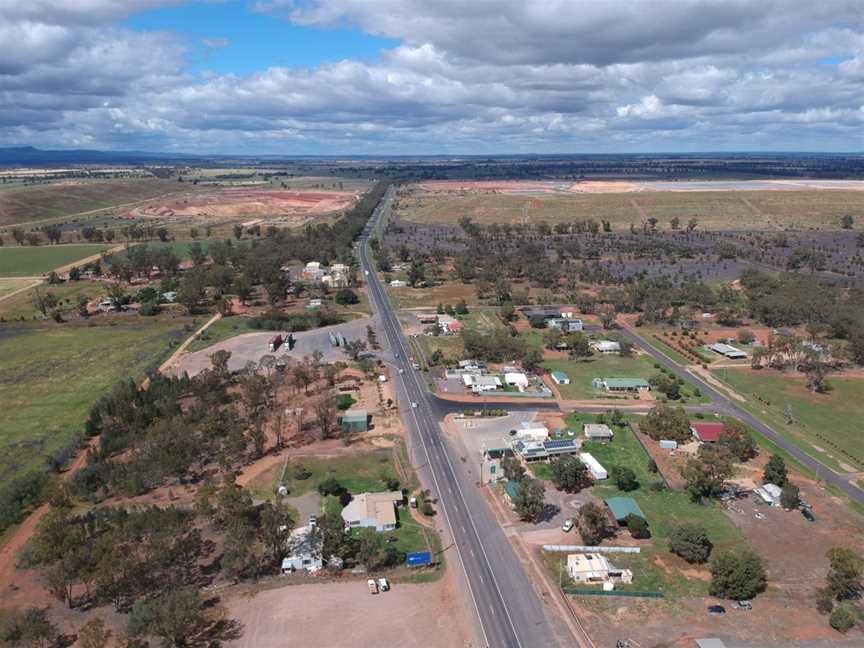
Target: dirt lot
<point x="333" y="615"/>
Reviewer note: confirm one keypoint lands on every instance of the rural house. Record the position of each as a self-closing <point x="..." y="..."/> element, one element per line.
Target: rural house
<point x="707" y="432"/>
<point x="594" y="568"/>
<point x="728" y="351"/>
<point x="372" y="510"/>
<point x="605" y="346"/>
<point x="598" y="432"/>
<point x="620" y="384"/>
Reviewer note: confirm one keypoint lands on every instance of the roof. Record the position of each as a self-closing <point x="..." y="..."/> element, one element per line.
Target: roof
<point x="541" y="312"/>
<point x="373" y="505"/>
<point x="606" y="345"/>
<point x="625" y="383"/>
<point x="469" y="379"/>
<point x="709" y="432"/>
<point x="621" y="507"/>
<point x="598" y="430"/>
<point x="587" y="563"/>
<point x="355" y="415"/>
<point x="560" y="375"/>
<point x="727" y="350"/>
<point x="515" y="377"/>
<point x="710" y="643"/>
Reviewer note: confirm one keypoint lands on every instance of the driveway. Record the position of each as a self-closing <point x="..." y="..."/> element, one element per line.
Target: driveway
<point x="251" y="347"/>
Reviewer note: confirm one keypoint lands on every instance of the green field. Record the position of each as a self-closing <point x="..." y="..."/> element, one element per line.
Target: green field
<point x="359" y="473"/>
<point x="824" y="425"/>
<point x="221" y="329"/>
<point x="655" y="569"/>
<point x="10" y="285"/>
<point x="21" y="305"/>
<point x="582" y="372"/>
<point x="34" y="261"/>
<point x="50" y="376"/>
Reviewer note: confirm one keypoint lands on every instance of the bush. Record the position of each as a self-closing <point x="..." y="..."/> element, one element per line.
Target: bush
<point x="330" y="486"/>
<point x="690" y="541"/>
<point x="148" y="309"/>
<point x="345" y="401"/>
<point x="624" y="478"/>
<point x="842" y="619"/>
<point x="301" y="472"/>
<point x="789" y="497"/>
<point x="638" y="527"/>
<point x="426" y="509"/>
<point x="737" y="575"/>
<point x="346" y="296"/>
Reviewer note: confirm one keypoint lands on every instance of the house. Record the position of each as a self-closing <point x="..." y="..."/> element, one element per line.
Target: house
<point x="372" y="510"/>
<point x="354" y="420"/>
<point x="707" y="432"/>
<point x="595" y="568"/>
<point x="620" y="384"/>
<point x="398" y="283"/>
<point x="565" y="325"/>
<point x="605" y="346"/>
<point x="479" y="384"/>
<point x="597" y="471"/>
<point x="533" y="432"/>
<point x="515" y="379"/>
<point x="541" y="313"/>
<point x="304" y="551"/>
<point x="313" y="271"/>
<point x="598" y="432"/>
<point x="621" y="507"/>
<point x="560" y="378"/>
<point x="449" y="324"/>
<point x="728" y="351"/>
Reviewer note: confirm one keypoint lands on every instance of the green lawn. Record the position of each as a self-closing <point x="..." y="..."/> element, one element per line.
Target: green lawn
<point x="664" y="510"/>
<point x="359" y="473"/>
<point x="827" y="426"/>
<point x="410" y="536"/>
<point x="34" y="261"/>
<point x="50" y="376"/>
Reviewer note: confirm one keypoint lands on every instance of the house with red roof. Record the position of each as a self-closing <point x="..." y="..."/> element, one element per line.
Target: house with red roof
<point x="707" y="432"/>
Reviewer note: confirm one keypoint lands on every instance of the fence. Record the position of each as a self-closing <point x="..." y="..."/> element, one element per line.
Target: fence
<point x="587" y="549"/>
<point x="575" y="591"/>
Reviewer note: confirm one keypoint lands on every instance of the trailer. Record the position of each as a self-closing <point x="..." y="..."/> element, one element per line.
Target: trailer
<point x="334" y="341"/>
<point x="275" y="342"/>
<point x="418" y="559"/>
<point x="372" y="585"/>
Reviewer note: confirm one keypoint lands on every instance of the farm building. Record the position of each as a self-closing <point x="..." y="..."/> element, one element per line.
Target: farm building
<point x="516" y="379"/>
<point x="354" y="421"/>
<point x="479" y="384"/>
<point x="621" y="507"/>
<point x="304" y="551"/>
<point x="560" y="378"/>
<point x="541" y="313"/>
<point x="605" y="346"/>
<point x="728" y="351"/>
<point x="595" y="568"/>
<point x="565" y="325"/>
<point x="620" y="384"/>
<point x="597" y="471"/>
<point x="598" y="432"/>
<point x="707" y="432"/>
<point x="372" y="510"/>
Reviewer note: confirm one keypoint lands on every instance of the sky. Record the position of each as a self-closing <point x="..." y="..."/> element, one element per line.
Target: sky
<point x="352" y="77"/>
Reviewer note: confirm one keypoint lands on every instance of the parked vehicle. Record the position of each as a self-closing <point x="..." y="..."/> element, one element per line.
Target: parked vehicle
<point x="412" y="502"/>
<point x="808" y="515"/>
<point x="372" y="585"/>
<point x="568" y="525"/>
<point x="313" y="520"/>
<point x="275" y="342"/>
<point x="401" y="371"/>
<point x="414" y="405"/>
<point x="742" y="605"/>
<point x="383" y="584"/>
<point x="416" y="366"/>
<point x="716" y="609"/>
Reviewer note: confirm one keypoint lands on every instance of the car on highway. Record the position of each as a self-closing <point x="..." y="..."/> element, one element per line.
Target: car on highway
<point x="401" y="371"/>
<point x="416" y="366"/>
<point x="716" y="609"/>
<point x="414" y="405"/>
<point x="568" y="525"/>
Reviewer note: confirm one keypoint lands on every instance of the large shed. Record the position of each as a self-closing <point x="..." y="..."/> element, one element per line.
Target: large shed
<point x="621" y="507"/>
<point x="354" y="420"/>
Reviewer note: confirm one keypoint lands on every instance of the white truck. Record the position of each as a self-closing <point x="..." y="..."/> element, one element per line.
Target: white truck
<point x="373" y="586"/>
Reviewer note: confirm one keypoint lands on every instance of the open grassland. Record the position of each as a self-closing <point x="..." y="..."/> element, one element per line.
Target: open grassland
<point x="827" y="426"/>
<point x="446" y="293"/>
<point x="11" y="285"/>
<point x="714" y="210"/>
<point x="33" y="261"/>
<point x="363" y="472"/>
<point x="21" y="306"/>
<point x="62" y="199"/>
<point x="50" y="376"/>
<point x="656" y="569"/>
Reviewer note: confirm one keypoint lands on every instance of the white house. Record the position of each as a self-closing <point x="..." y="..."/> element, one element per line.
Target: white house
<point x="372" y="510"/>
<point x="479" y="384"/>
<point x="598" y="432"/>
<point x="560" y="378"/>
<point x="516" y="379"/>
<point x="595" y="568"/>
<point x="304" y="551"/>
<point x="533" y="431"/>
<point x="597" y="471"/>
<point x="605" y="346"/>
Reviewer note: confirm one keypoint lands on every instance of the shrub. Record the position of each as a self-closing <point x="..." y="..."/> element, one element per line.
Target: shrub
<point x="301" y="472"/>
<point x="638" y="527"/>
<point x="690" y="541"/>
<point x="737" y="575"/>
<point x="624" y="478"/>
<point x="842" y="619"/>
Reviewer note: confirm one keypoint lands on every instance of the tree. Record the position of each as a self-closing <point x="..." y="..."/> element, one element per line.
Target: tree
<point x="775" y="471"/>
<point x="592" y="524"/>
<point x="94" y="634"/>
<point x="530" y="499"/>
<point x="737" y="575"/>
<point x="325" y="415"/>
<point x="706" y="476"/>
<point x="847" y="221"/>
<point x="417" y="272"/>
<point x="844" y="579"/>
<point x="372" y="551"/>
<point x="843" y="618"/>
<point x="638" y="527"/>
<point x="624" y="478"/>
<point x="346" y="296"/>
<point x="569" y="474"/>
<point x="665" y="422"/>
<point x="513" y="469"/>
<point x="174" y="616"/>
<point x="44" y="302"/>
<point x="690" y="541"/>
<point x="789" y="496"/>
<point x="275" y="528"/>
<point x="738" y="440"/>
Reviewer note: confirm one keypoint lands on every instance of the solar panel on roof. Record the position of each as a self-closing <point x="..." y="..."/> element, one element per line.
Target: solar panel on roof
<point x="558" y="443"/>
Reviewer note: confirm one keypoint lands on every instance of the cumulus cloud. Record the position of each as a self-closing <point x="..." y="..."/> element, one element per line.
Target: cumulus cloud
<point x="502" y="75"/>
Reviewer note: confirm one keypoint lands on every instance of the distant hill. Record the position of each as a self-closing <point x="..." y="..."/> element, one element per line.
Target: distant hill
<point x="30" y="156"/>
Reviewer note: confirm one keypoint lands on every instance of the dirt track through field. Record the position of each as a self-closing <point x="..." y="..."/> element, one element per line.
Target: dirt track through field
<point x="760" y="214"/>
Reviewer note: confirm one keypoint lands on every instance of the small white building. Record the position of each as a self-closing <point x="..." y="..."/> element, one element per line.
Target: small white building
<point x="597" y="471"/>
<point x="770" y="494"/>
<point x="533" y="432"/>
<point x="560" y="378"/>
<point x="598" y="432"/>
<point x="595" y="568"/>
<point x="605" y="346"/>
<point x="516" y="379"/>
<point x="398" y="283"/>
<point x="479" y="384"/>
<point x="304" y="551"/>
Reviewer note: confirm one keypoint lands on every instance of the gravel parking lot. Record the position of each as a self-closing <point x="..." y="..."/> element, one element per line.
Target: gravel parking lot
<point x="251" y="347"/>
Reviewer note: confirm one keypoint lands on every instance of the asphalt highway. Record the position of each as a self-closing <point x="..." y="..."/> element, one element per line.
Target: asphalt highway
<point x="509" y="611"/>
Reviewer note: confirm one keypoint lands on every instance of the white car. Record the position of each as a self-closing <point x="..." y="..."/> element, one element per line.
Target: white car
<point x="414" y="405"/>
<point x="401" y="371"/>
<point x="383" y="584"/>
<point x="568" y="525"/>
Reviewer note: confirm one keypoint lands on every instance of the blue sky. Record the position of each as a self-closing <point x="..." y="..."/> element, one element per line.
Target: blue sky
<point x="255" y="40"/>
<point x="330" y="77"/>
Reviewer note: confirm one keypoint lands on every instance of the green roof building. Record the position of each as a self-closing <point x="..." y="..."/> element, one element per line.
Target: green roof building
<point x="620" y="384"/>
<point x="560" y="378"/>
<point x="354" y="421"/>
<point x="621" y="507"/>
